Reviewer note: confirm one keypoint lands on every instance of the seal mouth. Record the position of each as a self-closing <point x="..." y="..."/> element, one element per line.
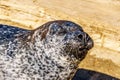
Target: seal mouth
<point x="76" y="52"/>
<point x="81" y="53"/>
<point x="79" y="49"/>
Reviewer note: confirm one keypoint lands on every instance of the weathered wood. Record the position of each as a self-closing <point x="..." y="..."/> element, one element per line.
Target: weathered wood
<point x="99" y="18"/>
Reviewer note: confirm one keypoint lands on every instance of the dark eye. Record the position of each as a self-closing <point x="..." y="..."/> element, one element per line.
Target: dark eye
<point x="80" y="36"/>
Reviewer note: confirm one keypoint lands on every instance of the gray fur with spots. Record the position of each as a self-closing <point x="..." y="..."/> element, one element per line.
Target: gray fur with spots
<point x="50" y="52"/>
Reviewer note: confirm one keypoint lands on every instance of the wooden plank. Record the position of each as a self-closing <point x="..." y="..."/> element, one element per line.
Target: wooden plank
<point x="99" y="18"/>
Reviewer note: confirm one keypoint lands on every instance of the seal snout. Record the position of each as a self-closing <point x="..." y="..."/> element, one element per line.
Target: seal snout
<point x="88" y="42"/>
<point x="83" y="43"/>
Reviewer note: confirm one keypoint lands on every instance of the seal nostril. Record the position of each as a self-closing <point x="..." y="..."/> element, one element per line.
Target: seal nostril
<point x="80" y="36"/>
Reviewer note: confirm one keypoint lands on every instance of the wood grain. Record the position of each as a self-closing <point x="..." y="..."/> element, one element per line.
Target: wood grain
<point x="99" y="18"/>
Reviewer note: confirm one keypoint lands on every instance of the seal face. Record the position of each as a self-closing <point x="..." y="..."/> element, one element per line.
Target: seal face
<point x="50" y="52"/>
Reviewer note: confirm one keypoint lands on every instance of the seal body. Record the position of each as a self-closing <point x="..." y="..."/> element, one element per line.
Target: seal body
<point x="50" y="52"/>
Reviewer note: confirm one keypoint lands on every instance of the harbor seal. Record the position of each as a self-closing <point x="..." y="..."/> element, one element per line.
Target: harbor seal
<point x="50" y="52"/>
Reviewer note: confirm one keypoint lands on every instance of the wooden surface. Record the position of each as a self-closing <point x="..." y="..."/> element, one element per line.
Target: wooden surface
<point x="99" y="18"/>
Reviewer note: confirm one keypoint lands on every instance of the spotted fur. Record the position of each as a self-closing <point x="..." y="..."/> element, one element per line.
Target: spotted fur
<point x="50" y="52"/>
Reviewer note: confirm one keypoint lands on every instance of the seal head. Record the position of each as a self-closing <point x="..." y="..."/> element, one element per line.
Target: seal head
<point x="50" y="52"/>
<point x="76" y="42"/>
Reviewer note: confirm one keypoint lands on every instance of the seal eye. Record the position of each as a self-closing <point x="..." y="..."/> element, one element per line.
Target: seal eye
<point x="80" y="36"/>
